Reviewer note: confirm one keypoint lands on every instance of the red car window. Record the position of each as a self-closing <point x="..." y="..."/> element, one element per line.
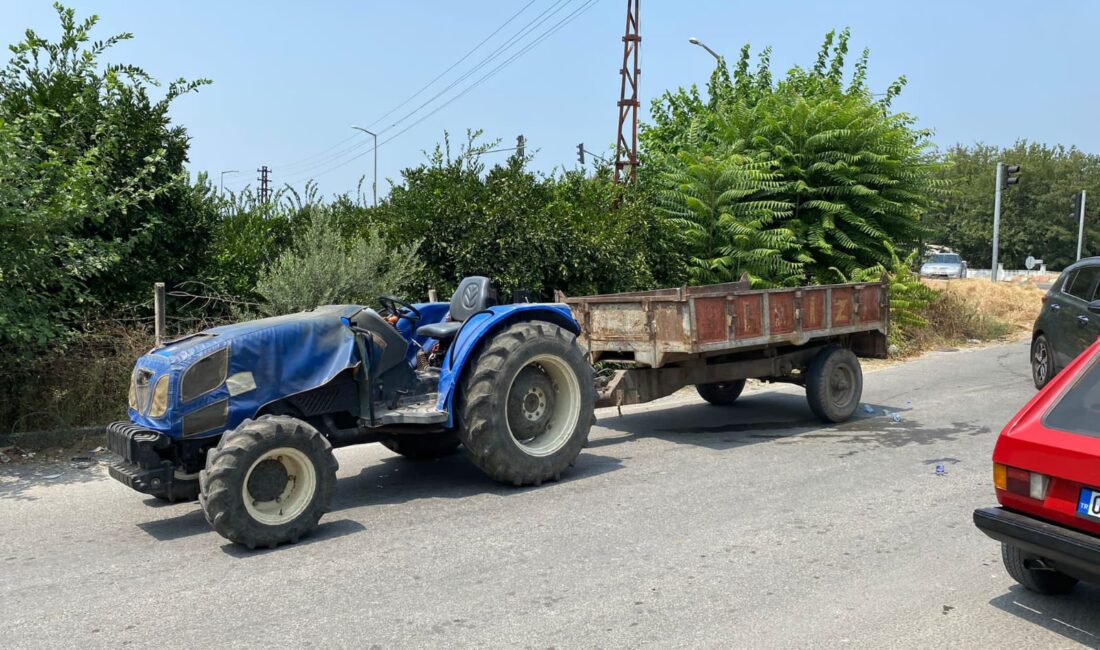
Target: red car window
<point x="1078" y="409"/>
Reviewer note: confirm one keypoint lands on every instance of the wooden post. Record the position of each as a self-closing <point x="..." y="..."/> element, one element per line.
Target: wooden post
<point x="431" y="296"/>
<point x="158" y="313"/>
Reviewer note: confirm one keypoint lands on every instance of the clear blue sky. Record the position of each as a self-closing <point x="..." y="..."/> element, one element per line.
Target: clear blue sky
<point x="290" y="77"/>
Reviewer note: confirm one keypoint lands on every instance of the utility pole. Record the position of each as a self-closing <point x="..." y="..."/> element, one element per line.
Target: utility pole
<point x="1005" y="176"/>
<point x="374" y="183"/>
<point x="221" y="183"/>
<point x="265" y="183"/>
<point x="1079" y="212"/>
<point x="626" y="149"/>
<point x="520" y="141"/>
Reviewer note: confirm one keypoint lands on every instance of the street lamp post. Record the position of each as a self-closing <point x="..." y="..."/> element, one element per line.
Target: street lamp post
<point x="695" y="41"/>
<point x="374" y="183"/>
<point x="221" y="182"/>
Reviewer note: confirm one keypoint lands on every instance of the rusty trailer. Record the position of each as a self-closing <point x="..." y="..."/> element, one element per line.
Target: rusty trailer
<point x="716" y="336"/>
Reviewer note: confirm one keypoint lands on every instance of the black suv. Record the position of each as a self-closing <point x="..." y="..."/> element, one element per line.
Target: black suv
<point x="1069" y="321"/>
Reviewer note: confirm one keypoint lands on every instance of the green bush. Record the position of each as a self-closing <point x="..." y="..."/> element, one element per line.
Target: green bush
<point x="325" y="267"/>
<point x="848" y="177"/>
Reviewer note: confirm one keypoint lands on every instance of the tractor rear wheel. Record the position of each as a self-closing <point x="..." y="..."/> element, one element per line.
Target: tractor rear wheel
<point x="268" y="481"/>
<point x="424" y="446"/>
<point x="526" y="403"/>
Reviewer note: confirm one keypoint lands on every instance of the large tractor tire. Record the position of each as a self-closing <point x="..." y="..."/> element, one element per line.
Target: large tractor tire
<point x="526" y="403"/>
<point x="424" y="446"/>
<point x="722" y="393"/>
<point x="268" y="481"/>
<point x="834" y="384"/>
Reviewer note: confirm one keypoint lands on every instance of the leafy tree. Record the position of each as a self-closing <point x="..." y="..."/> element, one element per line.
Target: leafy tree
<point x="1035" y="214"/>
<point x="96" y="202"/>
<point x="325" y="267"/>
<point x="851" y="177"/>
<point x="718" y="205"/>
<point x="523" y="230"/>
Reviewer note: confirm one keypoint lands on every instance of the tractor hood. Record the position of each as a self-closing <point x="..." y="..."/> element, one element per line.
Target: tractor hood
<point x="211" y="381"/>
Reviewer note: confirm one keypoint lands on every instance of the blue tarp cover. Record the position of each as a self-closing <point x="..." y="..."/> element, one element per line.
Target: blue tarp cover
<point x="285" y="354"/>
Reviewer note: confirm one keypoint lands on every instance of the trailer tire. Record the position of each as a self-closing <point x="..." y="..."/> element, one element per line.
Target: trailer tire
<point x="834" y="384"/>
<point x="525" y="405"/>
<point x="268" y="481"/>
<point x="424" y="446"/>
<point x="721" y="393"/>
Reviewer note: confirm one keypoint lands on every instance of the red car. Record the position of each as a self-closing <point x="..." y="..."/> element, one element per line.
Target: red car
<point x="1046" y="469"/>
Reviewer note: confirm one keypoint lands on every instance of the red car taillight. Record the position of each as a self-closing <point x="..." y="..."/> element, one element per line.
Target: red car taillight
<point x="1020" y="481"/>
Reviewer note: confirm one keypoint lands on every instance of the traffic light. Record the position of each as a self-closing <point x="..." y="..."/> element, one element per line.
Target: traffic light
<point x="580" y="153"/>
<point x="1076" y="205"/>
<point x="1010" y="176"/>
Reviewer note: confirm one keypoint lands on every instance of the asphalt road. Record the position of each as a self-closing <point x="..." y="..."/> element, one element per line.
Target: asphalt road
<point x="683" y="525"/>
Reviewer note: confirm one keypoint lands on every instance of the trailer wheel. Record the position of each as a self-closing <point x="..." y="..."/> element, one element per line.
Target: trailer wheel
<point x="721" y="393"/>
<point x="834" y="384"/>
<point x="423" y="446"/>
<point x="526" y="403"/>
<point x="268" y="481"/>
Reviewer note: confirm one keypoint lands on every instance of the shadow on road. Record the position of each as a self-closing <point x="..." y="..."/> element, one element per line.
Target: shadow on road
<point x="1072" y="616"/>
<point x="17" y="479"/>
<point x="773" y="416"/>
<point x="393" y="480"/>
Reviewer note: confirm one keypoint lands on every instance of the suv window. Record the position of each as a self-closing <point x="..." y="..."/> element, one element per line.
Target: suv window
<point x="1078" y="410"/>
<point x="1080" y="285"/>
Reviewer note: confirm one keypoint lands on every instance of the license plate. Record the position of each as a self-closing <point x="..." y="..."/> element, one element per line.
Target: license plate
<point x="1089" y="504"/>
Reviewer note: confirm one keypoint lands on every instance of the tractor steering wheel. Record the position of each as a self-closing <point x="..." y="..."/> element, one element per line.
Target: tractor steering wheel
<point x="392" y="303"/>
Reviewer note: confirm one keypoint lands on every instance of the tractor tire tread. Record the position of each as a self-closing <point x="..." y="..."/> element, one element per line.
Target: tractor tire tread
<point x="481" y="413"/>
<point x="221" y="498"/>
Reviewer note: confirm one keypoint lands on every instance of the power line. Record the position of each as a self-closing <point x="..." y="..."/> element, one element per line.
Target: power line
<point x="318" y="154"/>
<point x="521" y="34"/>
<point x="320" y="159"/>
<point x="534" y="43"/>
<point x="453" y="65"/>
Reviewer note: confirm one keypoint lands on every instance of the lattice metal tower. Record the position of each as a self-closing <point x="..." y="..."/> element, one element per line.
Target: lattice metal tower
<point x="626" y="147"/>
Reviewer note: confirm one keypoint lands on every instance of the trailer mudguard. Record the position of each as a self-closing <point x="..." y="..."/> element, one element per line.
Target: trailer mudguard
<point x="483" y="325"/>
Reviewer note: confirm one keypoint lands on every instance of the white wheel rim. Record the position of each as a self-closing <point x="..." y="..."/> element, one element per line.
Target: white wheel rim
<point x="300" y="486"/>
<point x="566" y="408"/>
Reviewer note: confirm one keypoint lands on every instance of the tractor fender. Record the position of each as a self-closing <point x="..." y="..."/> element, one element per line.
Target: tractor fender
<point x="482" y="326"/>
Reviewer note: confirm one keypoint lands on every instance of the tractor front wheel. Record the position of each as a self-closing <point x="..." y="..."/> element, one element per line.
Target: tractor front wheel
<point x="526" y="403"/>
<point x="268" y="481"/>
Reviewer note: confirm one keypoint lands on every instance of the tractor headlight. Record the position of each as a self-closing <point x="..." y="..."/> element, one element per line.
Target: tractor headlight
<point x="160" y="398"/>
<point x="133" y="393"/>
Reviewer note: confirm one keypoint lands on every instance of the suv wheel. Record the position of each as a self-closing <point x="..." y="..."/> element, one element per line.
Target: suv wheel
<point x="1042" y="361"/>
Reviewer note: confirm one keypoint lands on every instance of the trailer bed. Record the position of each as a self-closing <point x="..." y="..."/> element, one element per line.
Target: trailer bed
<point x="663" y="326"/>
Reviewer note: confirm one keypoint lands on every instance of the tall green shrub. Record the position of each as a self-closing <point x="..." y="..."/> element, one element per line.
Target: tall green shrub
<point x="323" y="267"/>
<point x="854" y="176"/>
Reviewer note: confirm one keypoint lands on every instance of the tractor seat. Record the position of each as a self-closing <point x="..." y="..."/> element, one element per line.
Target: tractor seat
<point x="474" y="294"/>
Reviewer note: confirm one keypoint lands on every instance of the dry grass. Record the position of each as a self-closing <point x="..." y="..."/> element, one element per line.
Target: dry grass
<point x="1014" y="304"/>
<point x="969" y="311"/>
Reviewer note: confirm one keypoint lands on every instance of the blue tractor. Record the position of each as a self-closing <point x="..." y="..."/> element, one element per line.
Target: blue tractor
<point x="245" y="417"/>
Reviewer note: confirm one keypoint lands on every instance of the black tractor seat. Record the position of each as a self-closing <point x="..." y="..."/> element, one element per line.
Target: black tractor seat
<point x="474" y="294"/>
